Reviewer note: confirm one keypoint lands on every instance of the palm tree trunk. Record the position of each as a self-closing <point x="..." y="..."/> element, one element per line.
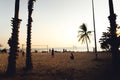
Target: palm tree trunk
<point x="96" y="54"/>
<point x="87" y="45"/>
<point x="94" y="27"/>
<point x="13" y="42"/>
<point x="114" y="44"/>
<point x="29" y="65"/>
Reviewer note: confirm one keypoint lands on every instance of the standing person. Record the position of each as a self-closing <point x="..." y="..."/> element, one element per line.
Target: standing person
<point x="72" y="56"/>
<point x="23" y="53"/>
<point x="52" y="52"/>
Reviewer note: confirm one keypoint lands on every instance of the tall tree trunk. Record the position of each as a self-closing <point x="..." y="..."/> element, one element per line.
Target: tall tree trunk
<point x="29" y="65"/>
<point x="95" y="49"/>
<point x="87" y="45"/>
<point x="94" y="27"/>
<point x="13" y="42"/>
<point x="114" y="44"/>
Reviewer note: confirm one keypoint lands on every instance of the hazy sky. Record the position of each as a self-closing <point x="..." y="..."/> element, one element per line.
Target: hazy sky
<point x="56" y="22"/>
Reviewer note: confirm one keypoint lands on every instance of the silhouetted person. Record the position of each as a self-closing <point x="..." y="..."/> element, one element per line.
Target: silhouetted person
<point x="64" y="50"/>
<point x="52" y="52"/>
<point x="71" y="56"/>
<point x="23" y="53"/>
<point x="4" y="50"/>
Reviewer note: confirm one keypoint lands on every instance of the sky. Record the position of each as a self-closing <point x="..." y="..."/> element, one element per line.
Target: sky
<point x="56" y="22"/>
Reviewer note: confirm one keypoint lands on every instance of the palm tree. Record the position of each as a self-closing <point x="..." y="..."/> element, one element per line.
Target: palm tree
<point x="13" y="42"/>
<point x="29" y="65"/>
<point x="114" y="42"/>
<point x="83" y="35"/>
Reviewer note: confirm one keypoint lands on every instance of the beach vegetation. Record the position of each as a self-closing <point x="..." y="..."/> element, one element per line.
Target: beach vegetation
<point x="105" y="40"/>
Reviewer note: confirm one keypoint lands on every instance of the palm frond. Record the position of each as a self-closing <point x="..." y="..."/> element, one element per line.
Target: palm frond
<point x="89" y="32"/>
<point x="82" y="38"/>
<point x="88" y="38"/>
<point x="80" y="31"/>
<point x="79" y="34"/>
<point x="79" y="38"/>
<point x="83" y="27"/>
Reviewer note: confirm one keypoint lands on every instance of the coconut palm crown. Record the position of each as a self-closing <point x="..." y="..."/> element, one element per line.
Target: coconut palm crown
<point x="83" y="35"/>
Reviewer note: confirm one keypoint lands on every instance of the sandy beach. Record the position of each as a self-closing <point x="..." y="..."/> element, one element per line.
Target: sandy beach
<point x="61" y="67"/>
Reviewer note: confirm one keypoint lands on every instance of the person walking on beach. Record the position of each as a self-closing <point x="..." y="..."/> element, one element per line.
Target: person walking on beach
<point x="72" y="56"/>
<point x="52" y="53"/>
<point x="23" y="53"/>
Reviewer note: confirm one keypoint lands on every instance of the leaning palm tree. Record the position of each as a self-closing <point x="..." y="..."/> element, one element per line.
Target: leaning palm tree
<point x="29" y="65"/>
<point x="13" y="42"/>
<point x="83" y="35"/>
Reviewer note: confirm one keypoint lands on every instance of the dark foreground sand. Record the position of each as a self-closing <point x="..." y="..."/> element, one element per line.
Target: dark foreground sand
<point x="61" y="67"/>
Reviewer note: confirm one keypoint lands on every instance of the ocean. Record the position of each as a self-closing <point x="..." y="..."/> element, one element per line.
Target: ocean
<point x="60" y="49"/>
<point x="77" y="49"/>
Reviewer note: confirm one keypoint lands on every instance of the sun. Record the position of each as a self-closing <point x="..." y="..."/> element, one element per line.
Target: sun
<point x="118" y="32"/>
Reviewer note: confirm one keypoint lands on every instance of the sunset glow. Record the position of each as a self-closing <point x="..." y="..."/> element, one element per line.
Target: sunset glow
<point x="56" y="22"/>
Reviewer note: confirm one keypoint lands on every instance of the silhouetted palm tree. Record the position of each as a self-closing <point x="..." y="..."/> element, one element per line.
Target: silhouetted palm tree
<point x="83" y="35"/>
<point x="114" y="40"/>
<point x="105" y="40"/>
<point x="29" y="65"/>
<point x="13" y="42"/>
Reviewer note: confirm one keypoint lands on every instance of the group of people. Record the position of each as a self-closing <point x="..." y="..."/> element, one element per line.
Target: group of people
<point x="71" y="55"/>
<point x="53" y="54"/>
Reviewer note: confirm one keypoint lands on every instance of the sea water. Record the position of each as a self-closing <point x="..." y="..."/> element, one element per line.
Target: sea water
<point x="60" y="49"/>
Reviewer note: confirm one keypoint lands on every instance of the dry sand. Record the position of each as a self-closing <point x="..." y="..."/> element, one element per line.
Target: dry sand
<point x="61" y="67"/>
